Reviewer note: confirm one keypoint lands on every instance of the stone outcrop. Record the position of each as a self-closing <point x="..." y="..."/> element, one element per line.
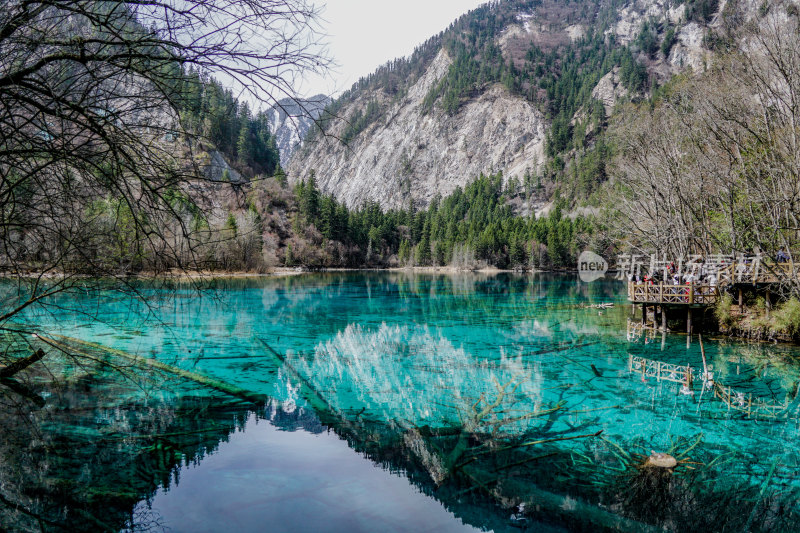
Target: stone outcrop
<point x="609" y="90"/>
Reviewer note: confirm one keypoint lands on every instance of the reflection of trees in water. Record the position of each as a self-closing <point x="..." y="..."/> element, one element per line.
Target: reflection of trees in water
<point x="100" y="445"/>
<point x="485" y="478"/>
<point x="467" y="432"/>
<point x="477" y="435"/>
<point x="535" y="306"/>
<point x="774" y="367"/>
<point x="745" y="479"/>
<point x="473" y="298"/>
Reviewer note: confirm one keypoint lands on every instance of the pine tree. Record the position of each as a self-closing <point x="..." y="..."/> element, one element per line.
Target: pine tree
<point x="404" y="253"/>
<point x="311" y="199"/>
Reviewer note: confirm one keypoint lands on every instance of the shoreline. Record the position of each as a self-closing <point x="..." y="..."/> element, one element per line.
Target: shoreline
<point x="296" y="271"/>
<point x="282" y="271"/>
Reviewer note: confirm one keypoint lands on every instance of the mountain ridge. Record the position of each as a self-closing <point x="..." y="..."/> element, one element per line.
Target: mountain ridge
<point x="527" y="58"/>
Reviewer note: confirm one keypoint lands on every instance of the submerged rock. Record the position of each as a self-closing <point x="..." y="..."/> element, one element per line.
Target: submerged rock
<point x="661" y="460"/>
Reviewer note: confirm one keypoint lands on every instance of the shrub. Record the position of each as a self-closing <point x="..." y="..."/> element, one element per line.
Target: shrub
<point x="722" y="311"/>
<point x="787" y="318"/>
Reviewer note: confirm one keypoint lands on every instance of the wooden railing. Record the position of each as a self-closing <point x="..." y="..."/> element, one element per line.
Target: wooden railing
<point x="746" y="404"/>
<point x="664" y="293"/>
<point x="757" y="272"/>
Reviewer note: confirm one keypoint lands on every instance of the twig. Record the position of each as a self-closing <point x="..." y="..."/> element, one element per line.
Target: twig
<point x="23" y="391"/>
<point x="528" y="460"/>
<point x="535" y="442"/>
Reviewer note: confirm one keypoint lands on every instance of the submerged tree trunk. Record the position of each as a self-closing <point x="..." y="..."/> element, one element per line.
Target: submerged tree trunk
<point x="21" y="364"/>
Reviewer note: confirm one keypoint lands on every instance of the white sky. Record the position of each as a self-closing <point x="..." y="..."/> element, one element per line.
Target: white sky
<point x="364" y="34"/>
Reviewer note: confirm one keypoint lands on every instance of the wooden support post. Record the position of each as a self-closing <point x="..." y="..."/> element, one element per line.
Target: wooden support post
<point x="663" y="319"/>
<point x="703" y="354"/>
<point x="769" y="303"/>
<point x="644" y="314"/>
<point x="741" y="302"/>
<point x="689" y="321"/>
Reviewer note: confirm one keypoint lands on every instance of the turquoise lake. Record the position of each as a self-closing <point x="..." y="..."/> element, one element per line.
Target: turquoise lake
<point x="393" y="402"/>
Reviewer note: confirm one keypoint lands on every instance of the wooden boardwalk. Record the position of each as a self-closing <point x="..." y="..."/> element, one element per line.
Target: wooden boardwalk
<point x="756" y="273"/>
<point x="753" y="273"/>
<point x="669" y="294"/>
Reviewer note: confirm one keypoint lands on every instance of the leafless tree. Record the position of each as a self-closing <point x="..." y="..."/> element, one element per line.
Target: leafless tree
<point x="98" y="176"/>
<point x="714" y="167"/>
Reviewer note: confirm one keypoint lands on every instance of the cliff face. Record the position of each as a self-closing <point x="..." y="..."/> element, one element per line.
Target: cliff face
<point x="411" y="151"/>
<point x="290" y="120"/>
<point x="410" y="155"/>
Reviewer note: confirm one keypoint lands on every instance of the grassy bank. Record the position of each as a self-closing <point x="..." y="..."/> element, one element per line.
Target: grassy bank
<point x="758" y="320"/>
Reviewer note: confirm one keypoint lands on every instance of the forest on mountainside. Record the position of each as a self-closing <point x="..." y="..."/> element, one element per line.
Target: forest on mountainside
<point x="210" y="112"/>
<point x="281" y="225"/>
<point x="711" y="164"/>
<point x="550" y="70"/>
<point x="109" y="125"/>
<point x="262" y="222"/>
<point x="472" y="227"/>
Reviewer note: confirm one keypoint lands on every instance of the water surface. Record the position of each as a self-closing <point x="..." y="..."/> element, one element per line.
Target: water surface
<point x="405" y="402"/>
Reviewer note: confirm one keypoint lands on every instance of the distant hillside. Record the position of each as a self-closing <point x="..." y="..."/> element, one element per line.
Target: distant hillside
<point x="519" y="86"/>
<point x="290" y="120"/>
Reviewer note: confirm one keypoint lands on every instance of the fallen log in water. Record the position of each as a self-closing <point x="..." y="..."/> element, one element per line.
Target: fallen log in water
<point x="23" y="390"/>
<point x="147" y="362"/>
<point x="323" y="408"/>
<point x="21" y="364"/>
<point x="535" y="442"/>
<point x="607" y="305"/>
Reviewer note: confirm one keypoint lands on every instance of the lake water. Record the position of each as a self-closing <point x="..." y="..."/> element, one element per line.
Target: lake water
<point x="394" y="402"/>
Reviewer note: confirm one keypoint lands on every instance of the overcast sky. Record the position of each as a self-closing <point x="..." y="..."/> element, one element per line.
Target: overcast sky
<point x="364" y="34"/>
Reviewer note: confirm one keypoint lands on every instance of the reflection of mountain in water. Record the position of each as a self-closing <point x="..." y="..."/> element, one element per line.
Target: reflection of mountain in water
<point x="103" y="443"/>
<point x="409" y="374"/>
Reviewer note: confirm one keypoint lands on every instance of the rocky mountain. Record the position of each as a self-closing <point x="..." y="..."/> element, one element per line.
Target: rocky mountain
<point x="523" y="87"/>
<point x="408" y="154"/>
<point x="290" y="120"/>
